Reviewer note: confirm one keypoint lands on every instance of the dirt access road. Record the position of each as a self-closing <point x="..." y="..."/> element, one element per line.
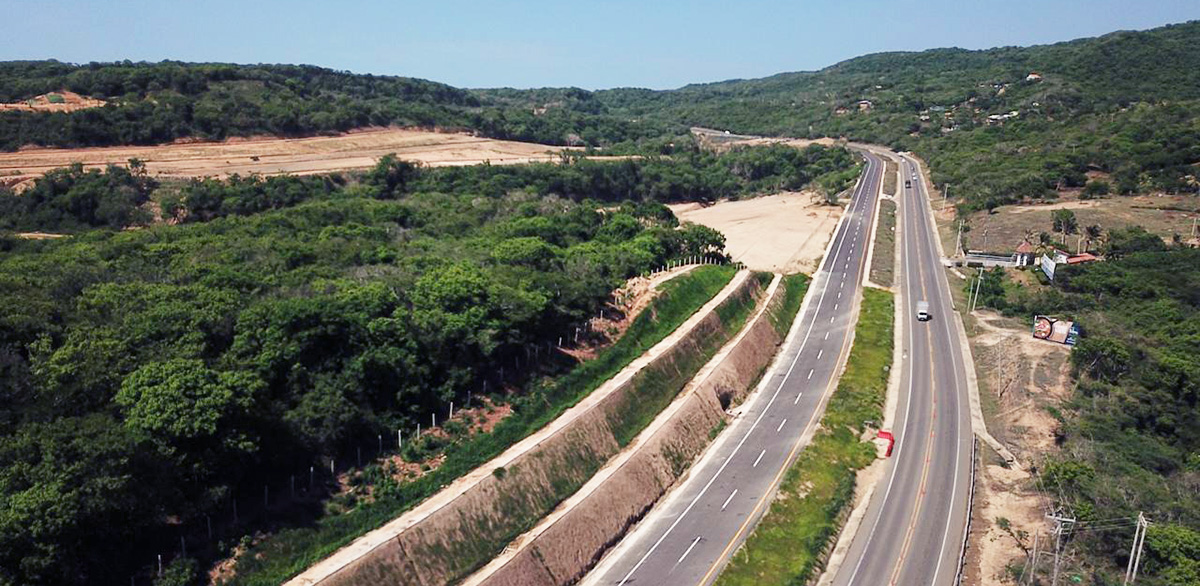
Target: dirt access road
<point x="275" y="156"/>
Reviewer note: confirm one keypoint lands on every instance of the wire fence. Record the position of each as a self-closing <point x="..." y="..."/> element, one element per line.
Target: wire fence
<point x="324" y="476"/>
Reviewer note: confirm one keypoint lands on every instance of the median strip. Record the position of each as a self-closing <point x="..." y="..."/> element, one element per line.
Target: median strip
<point x="790" y="540"/>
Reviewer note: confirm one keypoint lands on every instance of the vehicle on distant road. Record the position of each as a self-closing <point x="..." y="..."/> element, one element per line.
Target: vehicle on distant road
<point x="923" y="311"/>
<point x="908" y="184"/>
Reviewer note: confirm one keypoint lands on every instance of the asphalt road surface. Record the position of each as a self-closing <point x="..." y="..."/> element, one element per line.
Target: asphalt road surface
<point x="692" y="532"/>
<point x="913" y="529"/>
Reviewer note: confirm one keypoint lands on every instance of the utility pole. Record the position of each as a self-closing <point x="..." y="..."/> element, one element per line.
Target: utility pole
<point x="971" y="303"/>
<point x="945" y="194"/>
<point x="1034" y="559"/>
<point x="1062" y="526"/>
<point x="958" y="239"/>
<point x="1135" y="559"/>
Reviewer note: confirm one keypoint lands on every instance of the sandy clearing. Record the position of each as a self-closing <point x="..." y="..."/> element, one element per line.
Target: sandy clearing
<point x="69" y="102"/>
<point x="786" y="232"/>
<point x="1024" y="376"/>
<point x="275" y="156"/>
<point x="718" y="140"/>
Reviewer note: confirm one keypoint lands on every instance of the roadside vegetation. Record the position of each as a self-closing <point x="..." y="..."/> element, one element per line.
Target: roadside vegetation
<point x="787" y="544"/>
<point x="292" y="550"/>
<point x="1127" y="437"/>
<point x="795" y="286"/>
<point x="198" y="344"/>
<point x="890" y="175"/>
<point x="883" y="265"/>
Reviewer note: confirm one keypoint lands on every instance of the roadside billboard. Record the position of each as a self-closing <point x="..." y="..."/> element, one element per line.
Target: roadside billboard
<point x="1055" y="330"/>
<point x="1048" y="266"/>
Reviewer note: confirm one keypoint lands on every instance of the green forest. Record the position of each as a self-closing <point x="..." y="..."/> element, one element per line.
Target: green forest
<point x="190" y="342"/>
<point x="1125" y="104"/>
<point x="151" y="103"/>
<point x="153" y="377"/>
<point x="1129" y="439"/>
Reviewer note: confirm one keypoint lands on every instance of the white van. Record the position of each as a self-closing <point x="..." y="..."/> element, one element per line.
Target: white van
<point x="923" y="311"/>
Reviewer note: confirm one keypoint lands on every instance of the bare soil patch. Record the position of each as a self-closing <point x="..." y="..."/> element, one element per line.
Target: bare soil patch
<point x="277" y="156"/>
<point x="785" y="232"/>
<point x="719" y="140"/>
<point x="1024" y="377"/>
<point x="1164" y="215"/>
<point x="60" y="101"/>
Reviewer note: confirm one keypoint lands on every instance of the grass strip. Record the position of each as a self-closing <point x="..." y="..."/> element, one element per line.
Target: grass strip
<point x="889" y="177"/>
<point x="289" y="551"/>
<point x="786" y="546"/>
<point x="658" y="384"/>
<point x="782" y="315"/>
<point x="883" y="256"/>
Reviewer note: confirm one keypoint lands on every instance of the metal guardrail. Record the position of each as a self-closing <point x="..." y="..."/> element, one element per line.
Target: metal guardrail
<point x="962" y="556"/>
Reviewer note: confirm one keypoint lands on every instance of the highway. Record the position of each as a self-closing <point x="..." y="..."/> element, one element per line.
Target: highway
<point x="691" y="534"/>
<point x="913" y="529"/>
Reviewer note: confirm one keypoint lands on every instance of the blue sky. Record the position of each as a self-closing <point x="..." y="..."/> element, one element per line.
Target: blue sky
<point x="599" y="44"/>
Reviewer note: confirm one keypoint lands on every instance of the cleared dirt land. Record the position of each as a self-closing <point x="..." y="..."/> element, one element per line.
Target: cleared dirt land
<point x="786" y="232"/>
<point x="1164" y="215"/>
<point x="60" y="101"/>
<point x="276" y="156"/>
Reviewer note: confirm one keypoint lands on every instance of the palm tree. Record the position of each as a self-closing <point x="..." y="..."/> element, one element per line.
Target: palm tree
<point x="1092" y="233"/>
<point x="1045" y="244"/>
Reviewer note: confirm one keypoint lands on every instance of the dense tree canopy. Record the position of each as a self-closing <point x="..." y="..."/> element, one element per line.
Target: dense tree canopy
<point x="151" y="375"/>
<point x="151" y="103"/>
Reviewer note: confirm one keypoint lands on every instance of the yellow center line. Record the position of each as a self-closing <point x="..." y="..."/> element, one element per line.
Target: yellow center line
<point x="912" y="523"/>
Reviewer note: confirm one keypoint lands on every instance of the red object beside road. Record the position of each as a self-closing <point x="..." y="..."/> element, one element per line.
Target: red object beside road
<point x="887" y="435"/>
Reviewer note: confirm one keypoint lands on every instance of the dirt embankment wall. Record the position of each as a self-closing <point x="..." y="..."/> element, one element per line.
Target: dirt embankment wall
<point x="468" y="532"/>
<point x="565" y="551"/>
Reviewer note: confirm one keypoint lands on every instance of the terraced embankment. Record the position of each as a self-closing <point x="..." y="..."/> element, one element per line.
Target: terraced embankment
<point x="446" y="544"/>
<point x="567" y="544"/>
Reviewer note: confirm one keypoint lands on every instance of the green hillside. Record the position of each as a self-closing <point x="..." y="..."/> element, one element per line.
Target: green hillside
<point x="1126" y="103"/>
<point x="152" y="103"/>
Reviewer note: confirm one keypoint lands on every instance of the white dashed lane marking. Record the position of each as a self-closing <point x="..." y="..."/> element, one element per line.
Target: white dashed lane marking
<point x="726" y="503"/>
<point x="688" y="550"/>
<point x="760" y="455"/>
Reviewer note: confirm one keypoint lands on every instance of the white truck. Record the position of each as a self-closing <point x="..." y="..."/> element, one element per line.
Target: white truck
<point x="923" y="311"/>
